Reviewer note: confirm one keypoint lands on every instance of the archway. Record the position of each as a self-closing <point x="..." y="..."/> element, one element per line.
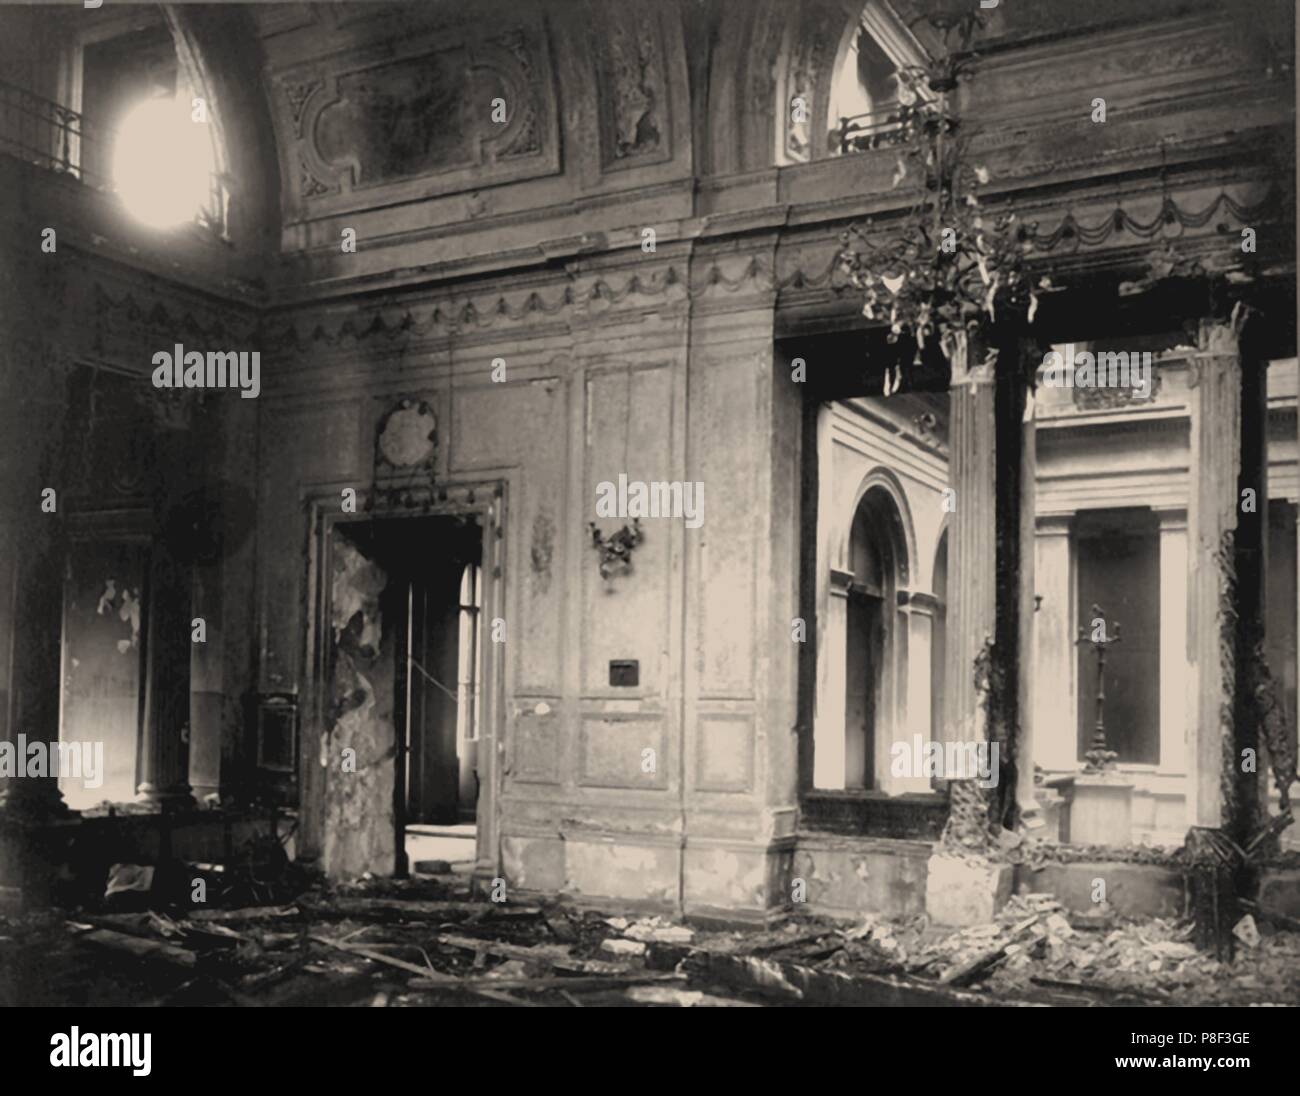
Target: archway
<point x="877" y="567"/>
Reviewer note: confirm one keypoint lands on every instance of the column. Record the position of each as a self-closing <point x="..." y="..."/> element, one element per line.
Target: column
<point x="32" y="543"/>
<point x="1226" y="582"/>
<point x="1175" y="670"/>
<point x="972" y="542"/>
<point x="35" y="597"/>
<point x="1025" y="793"/>
<point x="972" y="562"/>
<point x="985" y="452"/>
<point x="828" y="729"/>
<point x="1055" y="701"/>
<point x="165" y="730"/>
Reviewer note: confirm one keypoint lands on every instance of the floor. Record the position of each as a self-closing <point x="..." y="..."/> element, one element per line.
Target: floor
<point x="454" y="844"/>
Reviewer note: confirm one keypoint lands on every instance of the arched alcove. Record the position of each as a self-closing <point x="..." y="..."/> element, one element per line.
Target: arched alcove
<point x="874" y="642"/>
<point x="834" y="67"/>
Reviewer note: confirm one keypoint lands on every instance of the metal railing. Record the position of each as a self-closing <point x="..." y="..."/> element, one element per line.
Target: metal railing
<point x="875" y="129"/>
<point x="40" y="131"/>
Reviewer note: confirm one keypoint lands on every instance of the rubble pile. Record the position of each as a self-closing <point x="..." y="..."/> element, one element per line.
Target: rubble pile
<point x="428" y="941"/>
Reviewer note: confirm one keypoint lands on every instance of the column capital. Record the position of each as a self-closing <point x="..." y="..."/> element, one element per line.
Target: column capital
<point x="1219" y="338"/>
<point x="918" y="602"/>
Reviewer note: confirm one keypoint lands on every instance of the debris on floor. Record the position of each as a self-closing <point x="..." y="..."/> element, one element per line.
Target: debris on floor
<point x="388" y="943"/>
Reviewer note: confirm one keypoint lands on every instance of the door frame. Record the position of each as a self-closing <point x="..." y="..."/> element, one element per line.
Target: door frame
<point x="486" y="498"/>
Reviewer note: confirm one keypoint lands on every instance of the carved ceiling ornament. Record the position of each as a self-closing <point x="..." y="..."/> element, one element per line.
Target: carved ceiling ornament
<point x="440" y="113"/>
<point x="633" y="94"/>
<point x="296" y="95"/>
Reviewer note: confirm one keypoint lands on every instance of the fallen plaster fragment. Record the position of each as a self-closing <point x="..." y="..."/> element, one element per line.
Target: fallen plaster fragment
<point x="623" y="947"/>
<point x="653" y="928"/>
<point x="1245" y="931"/>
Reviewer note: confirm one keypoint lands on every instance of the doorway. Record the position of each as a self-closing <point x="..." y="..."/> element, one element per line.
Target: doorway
<point x="440" y="669"/>
<point x="408" y="694"/>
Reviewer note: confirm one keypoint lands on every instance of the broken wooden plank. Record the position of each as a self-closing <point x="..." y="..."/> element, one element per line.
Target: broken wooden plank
<point x="539" y="954"/>
<point x="380" y="957"/>
<point x="794" y="941"/>
<point x="982" y="965"/>
<point x="135" y="945"/>
<point x="249" y="913"/>
<point x="489" y="988"/>
<point x="570" y="983"/>
<point x="1098" y="988"/>
<point x="409" y="909"/>
<point x="975" y="968"/>
<point x="792" y="981"/>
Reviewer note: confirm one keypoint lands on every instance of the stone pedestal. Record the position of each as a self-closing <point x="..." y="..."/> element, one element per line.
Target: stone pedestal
<point x="1101" y="810"/>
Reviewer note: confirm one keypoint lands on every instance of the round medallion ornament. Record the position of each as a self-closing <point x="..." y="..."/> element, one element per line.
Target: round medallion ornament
<point x="408" y="435"/>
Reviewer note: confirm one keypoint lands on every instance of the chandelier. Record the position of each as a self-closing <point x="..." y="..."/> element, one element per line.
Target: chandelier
<point x="954" y="263"/>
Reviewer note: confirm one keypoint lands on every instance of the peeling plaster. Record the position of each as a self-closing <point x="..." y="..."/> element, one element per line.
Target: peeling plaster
<point x="127" y="604"/>
<point x="359" y="825"/>
<point x="543" y="549"/>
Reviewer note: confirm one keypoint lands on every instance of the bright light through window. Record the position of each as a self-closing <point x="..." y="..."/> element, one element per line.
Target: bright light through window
<point x="162" y="162"/>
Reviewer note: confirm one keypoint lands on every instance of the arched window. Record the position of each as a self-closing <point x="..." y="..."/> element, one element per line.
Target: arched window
<point x="863" y="96"/>
<point x="127" y="113"/>
<point x="837" y="83"/>
<point x="871" y="637"/>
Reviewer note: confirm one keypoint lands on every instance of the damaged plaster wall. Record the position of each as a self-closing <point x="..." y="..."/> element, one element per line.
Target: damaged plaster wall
<point x="359" y="749"/>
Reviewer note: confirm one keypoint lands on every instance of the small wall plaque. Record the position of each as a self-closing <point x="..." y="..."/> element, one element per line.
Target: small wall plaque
<point x="624" y="672"/>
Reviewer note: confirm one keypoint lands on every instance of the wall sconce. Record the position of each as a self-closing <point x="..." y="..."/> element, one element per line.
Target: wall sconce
<point x="616" y="549"/>
<point x="1038" y="602"/>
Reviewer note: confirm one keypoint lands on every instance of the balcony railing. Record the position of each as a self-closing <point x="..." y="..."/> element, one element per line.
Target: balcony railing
<point x="40" y="131"/>
<point x="876" y="129"/>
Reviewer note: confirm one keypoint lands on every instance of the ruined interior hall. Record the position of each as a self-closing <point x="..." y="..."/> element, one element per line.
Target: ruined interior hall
<point x="816" y="475"/>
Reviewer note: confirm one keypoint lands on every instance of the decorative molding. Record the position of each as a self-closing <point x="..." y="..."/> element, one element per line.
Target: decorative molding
<point x="586" y="294"/>
<point x="1121" y="396"/>
<point x="403" y="120"/>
